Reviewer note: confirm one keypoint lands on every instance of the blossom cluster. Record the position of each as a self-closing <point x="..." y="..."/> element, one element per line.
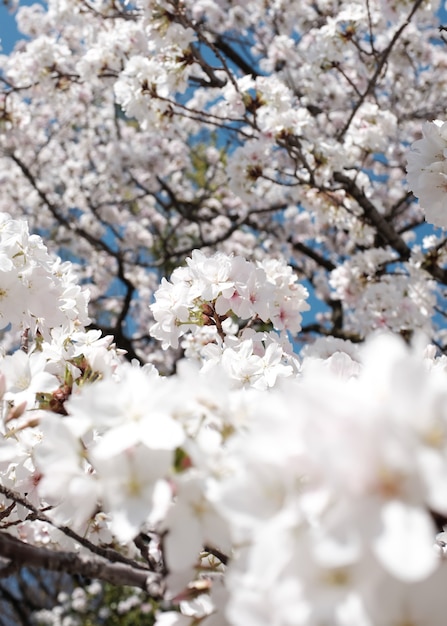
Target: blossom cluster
<point x="378" y="299"/>
<point x="338" y="529"/>
<point x="427" y="171"/>
<point x="232" y="307"/>
<point x="45" y="287"/>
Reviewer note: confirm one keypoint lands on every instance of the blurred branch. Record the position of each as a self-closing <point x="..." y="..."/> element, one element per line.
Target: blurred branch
<point x="89" y="566"/>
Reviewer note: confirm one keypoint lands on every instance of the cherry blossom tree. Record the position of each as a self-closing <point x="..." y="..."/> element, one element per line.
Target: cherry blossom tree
<point x="223" y="274"/>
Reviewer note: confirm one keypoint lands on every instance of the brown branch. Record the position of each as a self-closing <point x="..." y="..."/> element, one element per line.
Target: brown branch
<point x="235" y="57"/>
<point x="372" y="215"/>
<point x="386" y="230"/>
<point x="106" y="553"/>
<point x="214" y="81"/>
<point x="91" y="567"/>
<point x="298" y="246"/>
<point x="319" y="329"/>
<point x="223" y="558"/>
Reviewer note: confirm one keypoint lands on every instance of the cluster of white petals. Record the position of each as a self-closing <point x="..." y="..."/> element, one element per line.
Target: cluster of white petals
<point x="379" y="299"/>
<point x="427" y="171"/>
<point x="221" y="301"/>
<point x="344" y="512"/>
<point x="45" y="287"/>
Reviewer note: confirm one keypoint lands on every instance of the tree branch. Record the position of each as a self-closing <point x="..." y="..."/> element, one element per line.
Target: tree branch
<point x="88" y="566"/>
<point x="298" y="246"/>
<point x="235" y="57"/>
<point x="106" y="553"/>
<point x="386" y="230"/>
<point x="373" y="216"/>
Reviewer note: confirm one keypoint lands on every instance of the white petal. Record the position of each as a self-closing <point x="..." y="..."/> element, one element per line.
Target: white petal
<point x="405" y="545"/>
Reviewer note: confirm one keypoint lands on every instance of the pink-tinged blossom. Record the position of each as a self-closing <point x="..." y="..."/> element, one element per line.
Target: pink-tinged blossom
<point x="210" y="291"/>
<point x="245" y="367"/>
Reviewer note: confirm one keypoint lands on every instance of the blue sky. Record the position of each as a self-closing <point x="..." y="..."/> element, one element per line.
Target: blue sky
<point x="8" y="30"/>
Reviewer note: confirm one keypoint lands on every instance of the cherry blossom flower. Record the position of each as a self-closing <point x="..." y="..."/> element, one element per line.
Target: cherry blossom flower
<point x="427" y="171"/>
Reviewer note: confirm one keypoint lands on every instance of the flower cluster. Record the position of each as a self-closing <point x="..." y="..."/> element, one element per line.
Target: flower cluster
<point x="230" y="306"/>
<point x="378" y="299"/>
<point x="427" y="171"/>
<point x="211" y="289"/>
<point x="46" y="288"/>
<point x="338" y="528"/>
